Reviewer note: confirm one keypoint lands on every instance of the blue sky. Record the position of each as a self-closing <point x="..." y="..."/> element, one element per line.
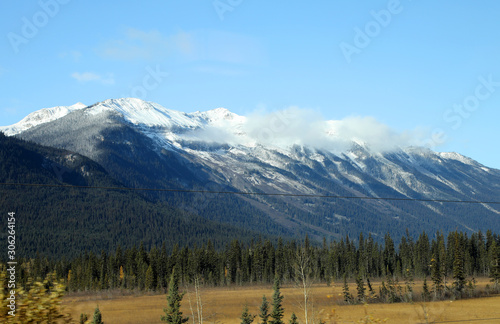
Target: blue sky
<point x="412" y="65"/>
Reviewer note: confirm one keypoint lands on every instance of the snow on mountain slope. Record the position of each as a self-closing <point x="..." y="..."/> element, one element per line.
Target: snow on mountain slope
<point x="39" y="117"/>
<point x="276" y="156"/>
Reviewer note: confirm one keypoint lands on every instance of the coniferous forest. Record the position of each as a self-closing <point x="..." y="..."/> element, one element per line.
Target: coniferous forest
<point x="451" y="260"/>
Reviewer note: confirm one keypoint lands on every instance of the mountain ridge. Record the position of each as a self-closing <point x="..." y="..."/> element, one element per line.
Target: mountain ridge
<point x="146" y="145"/>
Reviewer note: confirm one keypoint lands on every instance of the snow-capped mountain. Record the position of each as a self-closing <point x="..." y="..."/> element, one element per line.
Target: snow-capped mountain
<point x="39" y="117"/>
<point x="146" y="145"/>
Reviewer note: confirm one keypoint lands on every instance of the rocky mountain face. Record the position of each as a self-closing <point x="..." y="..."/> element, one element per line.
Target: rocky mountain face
<point x="145" y="145"/>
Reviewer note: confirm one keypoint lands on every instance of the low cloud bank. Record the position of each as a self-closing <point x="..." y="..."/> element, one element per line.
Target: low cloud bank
<point x="296" y="126"/>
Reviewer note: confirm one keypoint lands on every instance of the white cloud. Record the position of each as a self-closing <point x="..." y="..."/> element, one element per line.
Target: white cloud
<point x="296" y="126"/>
<point x="84" y="77"/>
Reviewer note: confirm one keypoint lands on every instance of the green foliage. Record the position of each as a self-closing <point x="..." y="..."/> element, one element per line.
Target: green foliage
<point x="78" y="220"/>
<point x="149" y="268"/>
<point x="293" y="319"/>
<point x="246" y="317"/>
<point x="173" y="314"/>
<point x="426" y="294"/>
<point x="361" y="288"/>
<point x="83" y="318"/>
<point x="494" y="256"/>
<point x="97" y="319"/>
<point x="277" y="311"/>
<point x="459" y="265"/>
<point x="345" y="291"/>
<point x="264" y="311"/>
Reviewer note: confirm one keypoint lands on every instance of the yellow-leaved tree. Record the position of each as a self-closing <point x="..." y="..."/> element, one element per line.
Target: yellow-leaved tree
<point x="38" y="302"/>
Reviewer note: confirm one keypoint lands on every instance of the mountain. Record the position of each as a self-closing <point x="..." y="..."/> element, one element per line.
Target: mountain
<point x="144" y="145"/>
<point x="60" y="221"/>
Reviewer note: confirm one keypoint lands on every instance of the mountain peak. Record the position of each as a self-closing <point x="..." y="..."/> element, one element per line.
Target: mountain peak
<point x="39" y="117"/>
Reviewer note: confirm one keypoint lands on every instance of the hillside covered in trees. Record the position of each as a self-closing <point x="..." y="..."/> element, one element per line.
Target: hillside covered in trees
<point x="59" y="217"/>
<point x="440" y="259"/>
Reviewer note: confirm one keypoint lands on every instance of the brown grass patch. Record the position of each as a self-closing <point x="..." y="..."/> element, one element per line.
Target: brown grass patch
<point x="224" y="305"/>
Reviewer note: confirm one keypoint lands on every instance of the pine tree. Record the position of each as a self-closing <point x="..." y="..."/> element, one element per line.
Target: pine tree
<point x="293" y="319"/>
<point x="458" y="265"/>
<point x="426" y="294"/>
<point x="83" y="318"/>
<point x="149" y="279"/>
<point x="437" y="276"/>
<point x="97" y="317"/>
<point x="361" y="288"/>
<point x="264" y="311"/>
<point x="494" y="256"/>
<point x="246" y="318"/>
<point x="347" y="294"/>
<point x="370" y="288"/>
<point x="278" y="311"/>
<point x="173" y="314"/>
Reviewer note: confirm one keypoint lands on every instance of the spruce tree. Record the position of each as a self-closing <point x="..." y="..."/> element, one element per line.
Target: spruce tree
<point x="173" y="314"/>
<point x="347" y="294"/>
<point x="264" y="311"/>
<point x="494" y="256"/>
<point x="246" y="317"/>
<point x="426" y="294"/>
<point x="83" y="318"/>
<point x="149" y="279"/>
<point x="458" y="266"/>
<point x="97" y="317"/>
<point x="293" y="319"/>
<point x="370" y="288"/>
<point x="361" y="288"/>
<point x="278" y="311"/>
<point x="436" y="276"/>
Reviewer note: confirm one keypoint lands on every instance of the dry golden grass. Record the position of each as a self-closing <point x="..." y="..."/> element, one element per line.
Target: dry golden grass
<point x="224" y="305"/>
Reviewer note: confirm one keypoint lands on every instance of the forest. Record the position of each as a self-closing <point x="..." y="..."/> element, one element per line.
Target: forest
<point x="442" y="259"/>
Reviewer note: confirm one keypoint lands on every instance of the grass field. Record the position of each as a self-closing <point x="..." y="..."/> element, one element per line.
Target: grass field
<point x="224" y="305"/>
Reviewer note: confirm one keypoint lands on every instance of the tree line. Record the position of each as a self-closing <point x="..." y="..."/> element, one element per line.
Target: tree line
<point x="438" y="259"/>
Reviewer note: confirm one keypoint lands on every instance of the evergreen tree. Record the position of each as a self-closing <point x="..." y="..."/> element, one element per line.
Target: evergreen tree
<point x="246" y="318"/>
<point x="97" y="317"/>
<point x="438" y="265"/>
<point x="370" y="288"/>
<point x="149" y="279"/>
<point x="293" y="319"/>
<point x="278" y="311"/>
<point x="458" y="265"/>
<point x="361" y="288"/>
<point x="347" y="294"/>
<point x="173" y="314"/>
<point x="83" y="318"/>
<point x="264" y="311"/>
<point x="426" y="294"/>
<point x="494" y="257"/>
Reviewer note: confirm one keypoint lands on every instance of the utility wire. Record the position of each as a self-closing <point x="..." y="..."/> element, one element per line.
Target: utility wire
<point x="251" y="193"/>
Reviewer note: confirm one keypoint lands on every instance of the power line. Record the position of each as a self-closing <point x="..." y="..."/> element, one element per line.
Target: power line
<point x="251" y="193"/>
